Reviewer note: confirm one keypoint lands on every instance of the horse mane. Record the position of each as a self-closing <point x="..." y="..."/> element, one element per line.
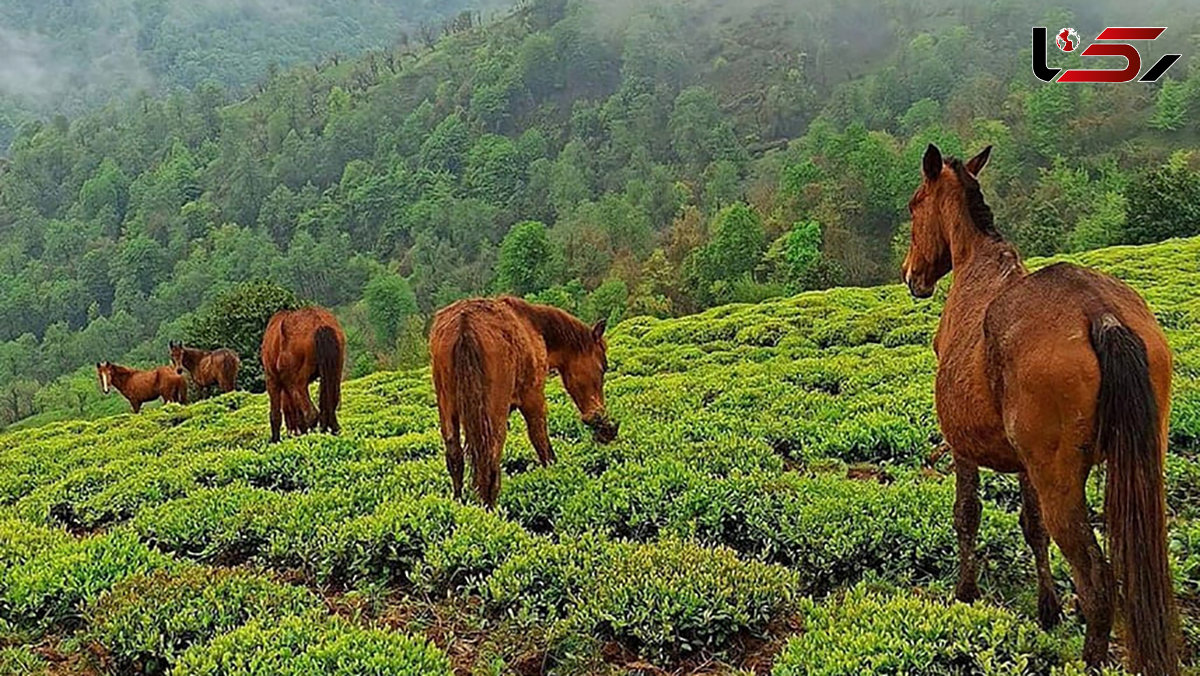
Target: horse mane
<point x="981" y="213"/>
<point x="121" y="374"/>
<point x="559" y="329"/>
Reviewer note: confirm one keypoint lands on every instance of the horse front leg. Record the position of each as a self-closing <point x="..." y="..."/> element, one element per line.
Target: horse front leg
<point x="1034" y="530"/>
<point x="967" y="512"/>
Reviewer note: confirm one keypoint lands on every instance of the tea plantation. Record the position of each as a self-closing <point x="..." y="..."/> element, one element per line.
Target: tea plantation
<point x="771" y="507"/>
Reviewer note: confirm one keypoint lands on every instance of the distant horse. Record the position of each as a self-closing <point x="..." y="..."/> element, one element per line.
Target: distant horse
<point x="299" y="347"/>
<point x="491" y="356"/>
<point x="1045" y="375"/>
<point x="218" y="367"/>
<point x="140" y="387"/>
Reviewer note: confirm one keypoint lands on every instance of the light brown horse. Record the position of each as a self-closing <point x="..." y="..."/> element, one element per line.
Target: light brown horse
<point x="218" y="367"/>
<point x="140" y="387"/>
<point x="1045" y="375"/>
<point x="491" y="356"/>
<point x="299" y="347"/>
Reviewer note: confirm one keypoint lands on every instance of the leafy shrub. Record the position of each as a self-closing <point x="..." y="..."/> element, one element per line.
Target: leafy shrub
<point x="309" y="644"/>
<point x="146" y="622"/>
<point x="867" y="632"/>
<point x="673" y="598"/>
<point x="52" y="586"/>
<point x="546" y="581"/>
<point x="237" y="319"/>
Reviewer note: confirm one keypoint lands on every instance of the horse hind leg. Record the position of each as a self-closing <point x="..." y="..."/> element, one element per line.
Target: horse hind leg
<point x="454" y="451"/>
<point x="1034" y="530"/>
<point x="1061" y="497"/>
<point x="275" y="396"/>
<point x="967" y="512"/>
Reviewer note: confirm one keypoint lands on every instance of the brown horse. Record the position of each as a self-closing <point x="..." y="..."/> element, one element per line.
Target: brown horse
<point x="493" y="355"/>
<point x="1045" y="375"/>
<point x="140" y="387"/>
<point x="299" y="347"/>
<point x="218" y="367"/>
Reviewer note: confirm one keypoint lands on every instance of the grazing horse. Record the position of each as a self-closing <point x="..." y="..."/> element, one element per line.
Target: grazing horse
<point x="493" y="355"/>
<point x="1045" y="375"/>
<point x="299" y="347"/>
<point x="140" y="387"/>
<point x="218" y="367"/>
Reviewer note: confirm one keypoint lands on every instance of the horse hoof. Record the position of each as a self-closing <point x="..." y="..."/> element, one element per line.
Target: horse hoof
<point x="966" y="593"/>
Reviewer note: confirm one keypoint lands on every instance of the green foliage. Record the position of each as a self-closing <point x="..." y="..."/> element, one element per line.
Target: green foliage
<point x="526" y="260"/>
<point x="151" y="620"/>
<point x="310" y="645"/>
<point x="390" y="303"/>
<point x="621" y="132"/>
<point x="1163" y="203"/>
<point x="237" y="319"/>
<point x="870" y="632"/>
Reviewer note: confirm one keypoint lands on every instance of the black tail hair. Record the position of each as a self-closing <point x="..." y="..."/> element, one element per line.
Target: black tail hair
<point x="329" y="370"/>
<point x="1128" y="435"/>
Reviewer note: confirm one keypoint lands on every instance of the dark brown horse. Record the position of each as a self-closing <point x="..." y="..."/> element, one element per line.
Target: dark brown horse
<point x="218" y="367"/>
<point x="1045" y="375"/>
<point x="299" y="347"/>
<point x="491" y="356"/>
<point x="140" y="387"/>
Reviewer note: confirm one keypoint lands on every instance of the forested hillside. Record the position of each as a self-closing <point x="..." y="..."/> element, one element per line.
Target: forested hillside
<point x="63" y="56"/>
<point x="613" y="158"/>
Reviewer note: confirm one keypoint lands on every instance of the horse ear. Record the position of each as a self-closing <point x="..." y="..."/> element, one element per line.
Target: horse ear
<point x="932" y="162"/>
<point x="598" y="329"/>
<point x="977" y="163"/>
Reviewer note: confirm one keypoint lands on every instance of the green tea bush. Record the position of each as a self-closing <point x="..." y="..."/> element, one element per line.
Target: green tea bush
<point x="309" y="644"/>
<point x="51" y="587"/>
<point x="432" y="541"/>
<point x="146" y="622"/>
<point x="674" y="598"/>
<point x="546" y="581"/>
<point x="867" y="632"/>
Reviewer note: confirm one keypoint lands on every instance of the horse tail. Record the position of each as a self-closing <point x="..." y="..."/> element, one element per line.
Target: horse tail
<point x="329" y="370"/>
<point x="229" y="367"/>
<point x="1128" y="434"/>
<point x="470" y="395"/>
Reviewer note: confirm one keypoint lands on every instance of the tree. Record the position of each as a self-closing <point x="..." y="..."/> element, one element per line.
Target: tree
<point x="527" y="261"/>
<point x="237" y="319"/>
<point x="1163" y="203"/>
<point x="390" y="302"/>
<point x="1171" y="106"/>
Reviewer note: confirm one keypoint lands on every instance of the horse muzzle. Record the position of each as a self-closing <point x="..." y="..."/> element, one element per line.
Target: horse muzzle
<point x="916" y="287"/>
<point x="604" y="429"/>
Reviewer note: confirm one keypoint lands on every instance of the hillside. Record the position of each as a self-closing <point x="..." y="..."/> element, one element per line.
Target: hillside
<point x="68" y="57"/>
<point x="768" y="507"/>
<point x="616" y="160"/>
